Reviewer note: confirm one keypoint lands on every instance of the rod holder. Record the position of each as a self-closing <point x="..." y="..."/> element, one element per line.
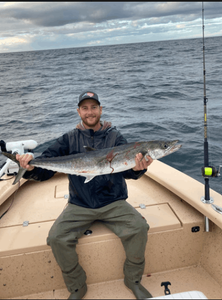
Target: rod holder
<point x="211" y="200"/>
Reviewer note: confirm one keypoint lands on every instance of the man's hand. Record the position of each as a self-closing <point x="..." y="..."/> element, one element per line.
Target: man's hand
<point x="142" y="162"/>
<point x="24" y="159"/>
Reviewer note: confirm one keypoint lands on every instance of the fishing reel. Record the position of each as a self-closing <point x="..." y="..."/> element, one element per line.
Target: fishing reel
<point x="19" y="147"/>
<point x="210" y="171"/>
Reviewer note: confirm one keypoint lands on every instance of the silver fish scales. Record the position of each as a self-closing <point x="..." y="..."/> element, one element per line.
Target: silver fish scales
<point x="101" y="161"/>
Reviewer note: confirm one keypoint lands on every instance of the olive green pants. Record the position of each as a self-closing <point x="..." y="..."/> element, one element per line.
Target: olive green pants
<point x="120" y="217"/>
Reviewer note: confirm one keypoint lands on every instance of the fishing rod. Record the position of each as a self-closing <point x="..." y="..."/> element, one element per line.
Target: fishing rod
<point x="207" y="171"/>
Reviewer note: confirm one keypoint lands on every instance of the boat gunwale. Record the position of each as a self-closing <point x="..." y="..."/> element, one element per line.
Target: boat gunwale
<point x="187" y="188"/>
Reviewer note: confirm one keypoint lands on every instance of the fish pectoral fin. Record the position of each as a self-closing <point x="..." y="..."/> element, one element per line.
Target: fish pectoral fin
<point x="88" y="178"/>
<point x="21" y="172"/>
<point x="89" y="148"/>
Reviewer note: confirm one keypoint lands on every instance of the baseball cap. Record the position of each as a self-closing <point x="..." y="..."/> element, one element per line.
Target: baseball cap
<point x="88" y="95"/>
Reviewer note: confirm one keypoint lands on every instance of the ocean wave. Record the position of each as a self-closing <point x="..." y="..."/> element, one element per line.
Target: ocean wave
<point x="147" y="90"/>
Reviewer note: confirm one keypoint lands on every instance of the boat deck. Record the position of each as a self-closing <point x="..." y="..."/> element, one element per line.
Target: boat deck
<point x="178" y="249"/>
<point x="186" y="279"/>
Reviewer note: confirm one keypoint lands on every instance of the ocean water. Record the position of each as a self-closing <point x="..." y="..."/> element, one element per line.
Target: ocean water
<point x="148" y="91"/>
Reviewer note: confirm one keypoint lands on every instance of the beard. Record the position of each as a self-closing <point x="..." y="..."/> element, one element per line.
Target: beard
<point x="91" y="121"/>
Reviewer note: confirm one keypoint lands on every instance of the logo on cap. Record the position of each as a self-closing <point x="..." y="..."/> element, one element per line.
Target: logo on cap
<point x="88" y="94"/>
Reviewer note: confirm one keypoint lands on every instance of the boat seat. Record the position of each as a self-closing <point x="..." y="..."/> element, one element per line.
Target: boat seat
<point x="184" y="295"/>
<point x="25" y="256"/>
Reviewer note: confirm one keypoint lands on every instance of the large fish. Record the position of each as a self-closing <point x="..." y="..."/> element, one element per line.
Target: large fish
<point x="102" y="161"/>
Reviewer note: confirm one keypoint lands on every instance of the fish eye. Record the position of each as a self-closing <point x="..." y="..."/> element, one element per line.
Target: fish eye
<point x="165" y="146"/>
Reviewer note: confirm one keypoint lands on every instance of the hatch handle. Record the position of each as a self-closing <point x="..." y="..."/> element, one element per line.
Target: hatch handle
<point x="165" y="284"/>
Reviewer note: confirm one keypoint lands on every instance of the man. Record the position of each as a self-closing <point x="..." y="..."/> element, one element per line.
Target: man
<point x="103" y="198"/>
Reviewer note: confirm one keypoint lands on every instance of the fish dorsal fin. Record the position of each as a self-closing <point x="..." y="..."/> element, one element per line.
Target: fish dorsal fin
<point x="89" y="148"/>
<point x="88" y="178"/>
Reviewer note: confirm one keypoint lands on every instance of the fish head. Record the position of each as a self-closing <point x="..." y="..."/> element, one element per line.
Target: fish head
<point x="158" y="149"/>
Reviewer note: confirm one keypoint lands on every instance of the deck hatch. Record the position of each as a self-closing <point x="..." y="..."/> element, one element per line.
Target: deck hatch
<point x="160" y="217"/>
<point x="61" y="190"/>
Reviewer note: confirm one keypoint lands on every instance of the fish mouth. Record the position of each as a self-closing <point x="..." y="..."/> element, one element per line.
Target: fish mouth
<point x="174" y="147"/>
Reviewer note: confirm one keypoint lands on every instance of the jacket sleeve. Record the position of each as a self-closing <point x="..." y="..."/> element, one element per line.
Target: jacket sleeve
<point x="59" y="148"/>
<point x="128" y="174"/>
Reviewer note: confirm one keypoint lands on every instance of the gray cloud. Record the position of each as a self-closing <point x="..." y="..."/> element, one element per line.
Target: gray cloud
<point x="60" y="13"/>
<point x="49" y="14"/>
<point x="50" y="25"/>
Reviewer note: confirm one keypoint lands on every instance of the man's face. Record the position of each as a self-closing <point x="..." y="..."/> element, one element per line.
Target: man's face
<point x="90" y="113"/>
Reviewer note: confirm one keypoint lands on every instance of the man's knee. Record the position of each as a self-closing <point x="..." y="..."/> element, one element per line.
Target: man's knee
<point x="53" y="237"/>
<point x="135" y="228"/>
<point x="56" y="236"/>
<point x="135" y="220"/>
<point x="62" y="236"/>
<point x="140" y="224"/>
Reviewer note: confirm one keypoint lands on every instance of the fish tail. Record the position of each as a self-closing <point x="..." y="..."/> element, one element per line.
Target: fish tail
<point x="11" y="156"/>
<point x="21" y="171"/>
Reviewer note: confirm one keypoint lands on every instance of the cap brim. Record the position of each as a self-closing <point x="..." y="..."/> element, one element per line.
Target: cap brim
<point x="88" y="99"/>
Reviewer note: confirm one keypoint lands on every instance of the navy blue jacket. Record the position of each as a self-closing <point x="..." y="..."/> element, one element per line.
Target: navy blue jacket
<point x="102" y="189"/>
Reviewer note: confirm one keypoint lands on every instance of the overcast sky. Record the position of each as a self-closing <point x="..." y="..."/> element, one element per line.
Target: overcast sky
<point x="26" y="26"/>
